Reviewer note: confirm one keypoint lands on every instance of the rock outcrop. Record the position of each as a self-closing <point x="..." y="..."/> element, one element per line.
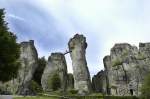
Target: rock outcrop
<point x="77" y="48"/>
<point x="70" y="81"/>
<point x="99" y="82"/>
<point x="126" y="67"/>
<point x="56" y="65"/>
<point x="29" y="62"/>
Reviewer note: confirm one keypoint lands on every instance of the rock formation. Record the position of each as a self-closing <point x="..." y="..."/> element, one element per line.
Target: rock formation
<point x="99" y="82"/>
<point x="126" y="67"/>
<point x="77" y="48"/>
<point x="70" y="82"/>
<point x="56" y="65"/>
<point x="29" y="62"/>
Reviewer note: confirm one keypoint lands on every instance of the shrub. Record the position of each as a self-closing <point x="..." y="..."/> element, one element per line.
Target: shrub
<point x="35" y="87"/>
<point x="120" y="97"/>
<point x="145" y="90"/>
<point x="140" y="56"/>
<point x="117" y="62"/>
<point x="102" y="97"/>
<point x="54" y="82"/>
<point x="96" y="94"/>
<point x="72" y="91"/>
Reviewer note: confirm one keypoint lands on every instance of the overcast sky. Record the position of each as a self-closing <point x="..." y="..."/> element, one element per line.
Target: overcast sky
<point x="51" y="23"/>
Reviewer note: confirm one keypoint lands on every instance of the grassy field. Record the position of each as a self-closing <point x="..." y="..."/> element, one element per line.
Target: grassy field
<point x="36" y="97"/>
<point x="78" y="97"/>
<point x="74" y="97"/>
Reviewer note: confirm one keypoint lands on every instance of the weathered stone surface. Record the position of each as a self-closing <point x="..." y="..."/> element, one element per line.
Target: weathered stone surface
<point x="126" y="68"/>
<point x="70" y="81"/>
<point x="29" y="62"/>
<point x="77" y="47"/>
<point x="99" y="82"/>
<point x="56" y="64"/>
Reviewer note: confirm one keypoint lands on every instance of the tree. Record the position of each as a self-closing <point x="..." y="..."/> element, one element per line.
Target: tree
<point x="9" y="51"/>
<point x="145" y="90"/>
<point x="39" y="71"/>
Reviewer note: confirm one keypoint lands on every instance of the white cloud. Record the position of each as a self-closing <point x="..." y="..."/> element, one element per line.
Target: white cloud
<point x="103" y="22"/>
<point x="15" y="17"/>
<point x="108" y="21"/>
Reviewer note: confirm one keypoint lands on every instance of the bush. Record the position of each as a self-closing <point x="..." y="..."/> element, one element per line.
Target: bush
<point x="102" y="97"/>
<point x="145" y="90"/>
<point x="96" y="94"/>
<point x="54" y="82"/>
<point x="72" y="91"/>
<point x="140" y="56"/>
<point x="117" y="62"/>
<point x="35" y="87"/>
<point x="120" y="97"/>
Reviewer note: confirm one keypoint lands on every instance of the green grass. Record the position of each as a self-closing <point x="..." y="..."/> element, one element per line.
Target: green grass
<point x="78" y="97"/>
<point x="96" y="94"/>
<point x="36" y="97"/>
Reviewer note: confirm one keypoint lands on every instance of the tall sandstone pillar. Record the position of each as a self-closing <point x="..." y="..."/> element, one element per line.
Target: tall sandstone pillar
<point x="77" y="48"/>
<point x="29" y="62"/>
<point x="56" y="65"/>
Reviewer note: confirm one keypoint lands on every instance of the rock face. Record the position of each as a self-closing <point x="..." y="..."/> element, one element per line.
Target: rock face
<point x="77" y="47"/>
<point x="126" y="67"/>
<point x="70" y="81"/>
<point x="56" y="65"/>
<point x="29" y="62"/>
<point x="99" y="82"/>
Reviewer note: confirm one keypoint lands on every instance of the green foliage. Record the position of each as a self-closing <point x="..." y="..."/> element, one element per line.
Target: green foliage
<point x="125" y="53"/>
<point x="72" y="92"/>
<point x="39" y="71"/>
<point x="102" y="97"/>
<point x="145" y="90"/>
<point x="54" y="82"/>
<point x="117" y="62"/>
<point x="35" y="87"/>
<point x="37" y="97"/>
<point x="120" y="97"/>
<point x="140" y="56"/>
<point x="96" y="94"/>
<point x="9" y="51"/>
<point x="78" y="97"/>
